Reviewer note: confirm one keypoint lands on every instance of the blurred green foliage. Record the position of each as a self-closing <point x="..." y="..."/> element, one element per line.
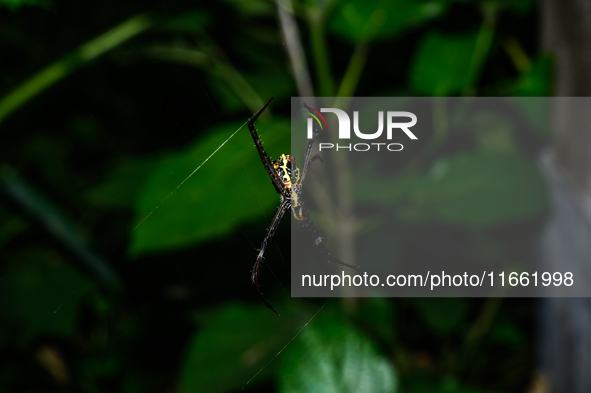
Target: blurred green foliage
<point x="476" y="190"/>
<point x="332" y="356"/>
<point x="442" y="64"/>
<point x="108" y="107"/>
<point x="225" y="177"/>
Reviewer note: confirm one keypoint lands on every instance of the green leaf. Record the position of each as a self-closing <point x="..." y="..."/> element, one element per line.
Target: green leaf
<point x="234" y="346"/>
<point x="493" y="133"/>
<point x="482" y="189"/>
<point x="442" y="64"/>
<point x="537" y="81"/>
<point x="476" y="190"/>
<point x="231" y="188"/>
<point x="123" y="184"/>
<point x="359" y="20"/>
<point x="330" y="356"/>
<point x="385" y="192"/>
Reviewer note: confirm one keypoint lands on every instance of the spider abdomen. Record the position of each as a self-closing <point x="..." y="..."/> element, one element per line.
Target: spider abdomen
<point x="282" y="167"/>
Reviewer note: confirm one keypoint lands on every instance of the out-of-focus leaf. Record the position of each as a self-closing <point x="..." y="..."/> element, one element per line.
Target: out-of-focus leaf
<point x="493" y="133"/>
<point x="481" y="189"/>
<point x="230" y="102"/>
<point x="123" y="185"/>
<point x="330" y="356"/>
<point x="442" y="315"/>
<point x="386" y="192"/>
<point x="442" y="64"/>
<point x="472" y="189"/>
<point x="379" y="19"/>
<point x="40" y="294"/>
<point x="235" y="344"/>
<point x="232" y="187"/>
<point x="537" y="81"/>
<point x="282" y="85"/>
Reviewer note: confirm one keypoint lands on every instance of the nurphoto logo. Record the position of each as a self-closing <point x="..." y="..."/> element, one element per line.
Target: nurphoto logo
<point x="392" y="123"/>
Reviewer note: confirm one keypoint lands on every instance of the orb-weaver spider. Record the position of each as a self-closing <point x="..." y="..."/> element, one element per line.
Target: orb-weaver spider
<point x="288" y="184"/>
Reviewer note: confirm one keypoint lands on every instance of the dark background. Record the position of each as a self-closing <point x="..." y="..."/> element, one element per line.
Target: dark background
<point x="115" y="275"/>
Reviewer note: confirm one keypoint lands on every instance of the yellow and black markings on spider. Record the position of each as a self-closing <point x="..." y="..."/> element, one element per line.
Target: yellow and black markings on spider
<point x="289" y="186"/>
<point x="282" y="166"/>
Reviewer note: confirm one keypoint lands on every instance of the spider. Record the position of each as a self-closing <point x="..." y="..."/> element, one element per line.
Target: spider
<point x="288" y="184"/>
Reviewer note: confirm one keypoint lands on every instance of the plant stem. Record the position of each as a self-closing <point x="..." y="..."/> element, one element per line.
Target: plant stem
<point x="293" y="44"/>
<point x="354" y="69"/>
<point x="321" y="57"/>
<point x="69" y="63"/>
<point x="58" y="225"/>
<point x="482" y="48"/>
<point x="476" y="333"/>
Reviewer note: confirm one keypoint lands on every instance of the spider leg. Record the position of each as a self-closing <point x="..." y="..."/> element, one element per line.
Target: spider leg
<point x="307" y="160"/>
<point x="257" y="266"/>
<point x="316" y="157"/>
<point x="306" y="220"/>
<point x="277" y="183"/>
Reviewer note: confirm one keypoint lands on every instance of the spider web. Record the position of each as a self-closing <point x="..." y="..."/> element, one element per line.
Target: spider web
<point x="162" y="204"/>
<point x="189" y="176"/>
<point x="144" y="287"/>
